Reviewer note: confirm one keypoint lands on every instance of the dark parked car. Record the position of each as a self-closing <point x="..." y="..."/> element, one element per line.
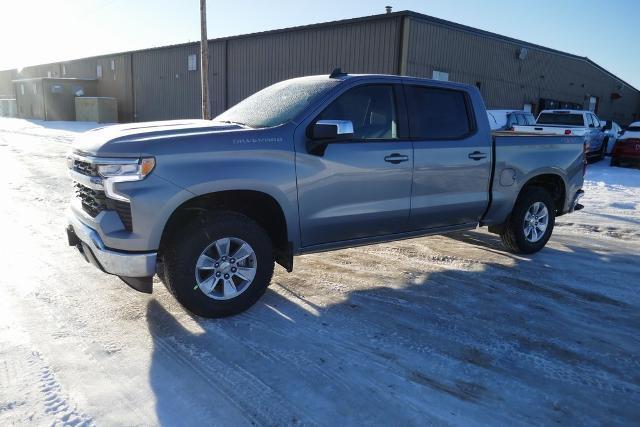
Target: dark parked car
<point x="627" y="149"/>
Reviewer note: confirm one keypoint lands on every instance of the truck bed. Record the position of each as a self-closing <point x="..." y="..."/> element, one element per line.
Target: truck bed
<point x="519" y="156"/>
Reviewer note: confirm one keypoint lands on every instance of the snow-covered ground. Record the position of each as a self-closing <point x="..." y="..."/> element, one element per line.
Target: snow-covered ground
<point x="439" y="330"/>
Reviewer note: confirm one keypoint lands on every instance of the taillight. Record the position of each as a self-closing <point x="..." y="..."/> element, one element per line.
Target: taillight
<point x="567" y="131"/>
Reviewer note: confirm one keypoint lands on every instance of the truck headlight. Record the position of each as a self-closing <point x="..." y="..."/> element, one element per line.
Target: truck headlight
<point x="121" y="170"/>
<point x="137" y="168"/>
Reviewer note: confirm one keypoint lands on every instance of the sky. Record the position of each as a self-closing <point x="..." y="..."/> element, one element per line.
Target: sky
<point x="41" y="31"/>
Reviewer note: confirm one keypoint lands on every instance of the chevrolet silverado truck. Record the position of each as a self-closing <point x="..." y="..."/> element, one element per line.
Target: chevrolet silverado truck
<point x="572" y="122"/>
<point x="308" y="165"/>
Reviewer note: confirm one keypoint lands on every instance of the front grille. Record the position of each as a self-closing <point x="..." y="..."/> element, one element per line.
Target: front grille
<point x="95" y="201"/>
<point x="85" y="168"/>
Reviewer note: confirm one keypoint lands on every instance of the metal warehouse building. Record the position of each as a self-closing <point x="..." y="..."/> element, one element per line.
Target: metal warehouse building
<point x="164" y="83"/>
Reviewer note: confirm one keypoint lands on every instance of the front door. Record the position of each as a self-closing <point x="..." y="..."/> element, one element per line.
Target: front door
<point x="361" y="187"/>
<point x="452" y="158"/>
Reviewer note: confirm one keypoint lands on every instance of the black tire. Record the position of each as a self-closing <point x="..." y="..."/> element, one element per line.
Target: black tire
<point x="513" y="235"/>
<point x="188" y="243"/>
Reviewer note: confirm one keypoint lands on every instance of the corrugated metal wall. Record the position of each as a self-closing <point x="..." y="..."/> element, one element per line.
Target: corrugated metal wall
<point x="360" y="47"/>
<point x="163" y="86"/>
<point x="507" y="81"/>
<point x="115" y="82"/>
<point x="155" y="84"/>
<point x="43" y="70"/>
<point x="6" y="87"/>
<point x="30" y="99"/>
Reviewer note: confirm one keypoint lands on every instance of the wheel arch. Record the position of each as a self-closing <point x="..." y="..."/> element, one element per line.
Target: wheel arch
<point x="554" y="183"/>
<point x="260" y="206"/>
<point x="549" y="179"/>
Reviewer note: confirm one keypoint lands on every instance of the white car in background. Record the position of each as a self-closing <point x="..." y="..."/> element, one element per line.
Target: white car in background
<point x="507" y="119"/>
<point x="631" y="131"/>
<point x="575" y="123"/>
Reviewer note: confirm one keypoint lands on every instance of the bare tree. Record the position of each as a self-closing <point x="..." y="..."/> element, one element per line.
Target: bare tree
<point x="204" y="60"/>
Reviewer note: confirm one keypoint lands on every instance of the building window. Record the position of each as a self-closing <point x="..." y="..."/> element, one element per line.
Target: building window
<point x="99" y="71"/>
<point x="440" y="75"/>
<point x="22" y="89"/>
<point x="192" y="62"/>
<point x="113" y="65"/>
<point x="56" y="88"/>
<point x="49" y="74"/>
<point x="64" y="70"/>
<point x="35" y="89"/>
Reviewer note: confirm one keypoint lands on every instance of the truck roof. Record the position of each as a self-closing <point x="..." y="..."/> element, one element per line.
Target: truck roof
<point x="347" y="76"/>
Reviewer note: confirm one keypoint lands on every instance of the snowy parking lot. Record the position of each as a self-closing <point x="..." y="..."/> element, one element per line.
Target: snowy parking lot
<point x="446" y="330"/>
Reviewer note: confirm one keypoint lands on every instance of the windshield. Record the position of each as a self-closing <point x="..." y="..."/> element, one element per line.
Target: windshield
<point x="560" y="119"/>
<point x="633" y="128"/>
<point x="278" y="103"/>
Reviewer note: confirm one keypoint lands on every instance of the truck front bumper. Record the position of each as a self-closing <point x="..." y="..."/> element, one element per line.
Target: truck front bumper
<point x="134" y="268"/>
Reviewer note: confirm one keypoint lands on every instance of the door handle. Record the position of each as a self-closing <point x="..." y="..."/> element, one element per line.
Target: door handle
<point x="477" y="155"/>
<point x="396" y="158"/>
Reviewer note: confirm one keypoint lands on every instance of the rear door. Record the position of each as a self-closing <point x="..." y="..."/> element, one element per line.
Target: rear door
<point x="452" y="159"/>
<point x="361" y="187"/>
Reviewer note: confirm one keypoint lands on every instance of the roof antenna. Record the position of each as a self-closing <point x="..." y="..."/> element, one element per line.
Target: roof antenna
<point x="337" y="72"/>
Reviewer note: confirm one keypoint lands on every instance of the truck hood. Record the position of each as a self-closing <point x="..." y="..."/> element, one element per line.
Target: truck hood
<point x="119" y="139"/>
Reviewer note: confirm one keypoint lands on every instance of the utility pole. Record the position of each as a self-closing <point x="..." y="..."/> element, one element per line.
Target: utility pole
<point x="204" y="60"/>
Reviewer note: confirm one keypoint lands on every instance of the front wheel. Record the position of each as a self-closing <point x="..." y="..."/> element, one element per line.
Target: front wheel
<point x="531" y="223"/>
<point x="219" y="264"/>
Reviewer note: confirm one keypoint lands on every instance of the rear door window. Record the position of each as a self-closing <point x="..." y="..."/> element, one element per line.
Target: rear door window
<point x="436" y="113"/>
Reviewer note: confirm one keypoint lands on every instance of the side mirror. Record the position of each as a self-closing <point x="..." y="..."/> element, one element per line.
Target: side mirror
<point x="324" y="132"/>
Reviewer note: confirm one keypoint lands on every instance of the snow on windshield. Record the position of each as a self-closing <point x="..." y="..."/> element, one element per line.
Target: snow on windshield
<point x="279" y="103"/>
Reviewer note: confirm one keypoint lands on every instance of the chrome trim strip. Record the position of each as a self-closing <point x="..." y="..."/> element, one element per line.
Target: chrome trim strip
<point x="93" y="182"/>
<point x="104" y="160"/>
<point x="109" y="187"/>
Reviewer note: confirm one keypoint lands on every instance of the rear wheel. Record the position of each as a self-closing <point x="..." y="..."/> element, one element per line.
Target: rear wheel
<point x="219" y="265"/>
<point x="531" y="223"/>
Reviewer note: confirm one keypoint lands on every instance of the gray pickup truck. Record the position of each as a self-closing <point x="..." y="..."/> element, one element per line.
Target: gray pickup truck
<point x="308" y="165"/>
